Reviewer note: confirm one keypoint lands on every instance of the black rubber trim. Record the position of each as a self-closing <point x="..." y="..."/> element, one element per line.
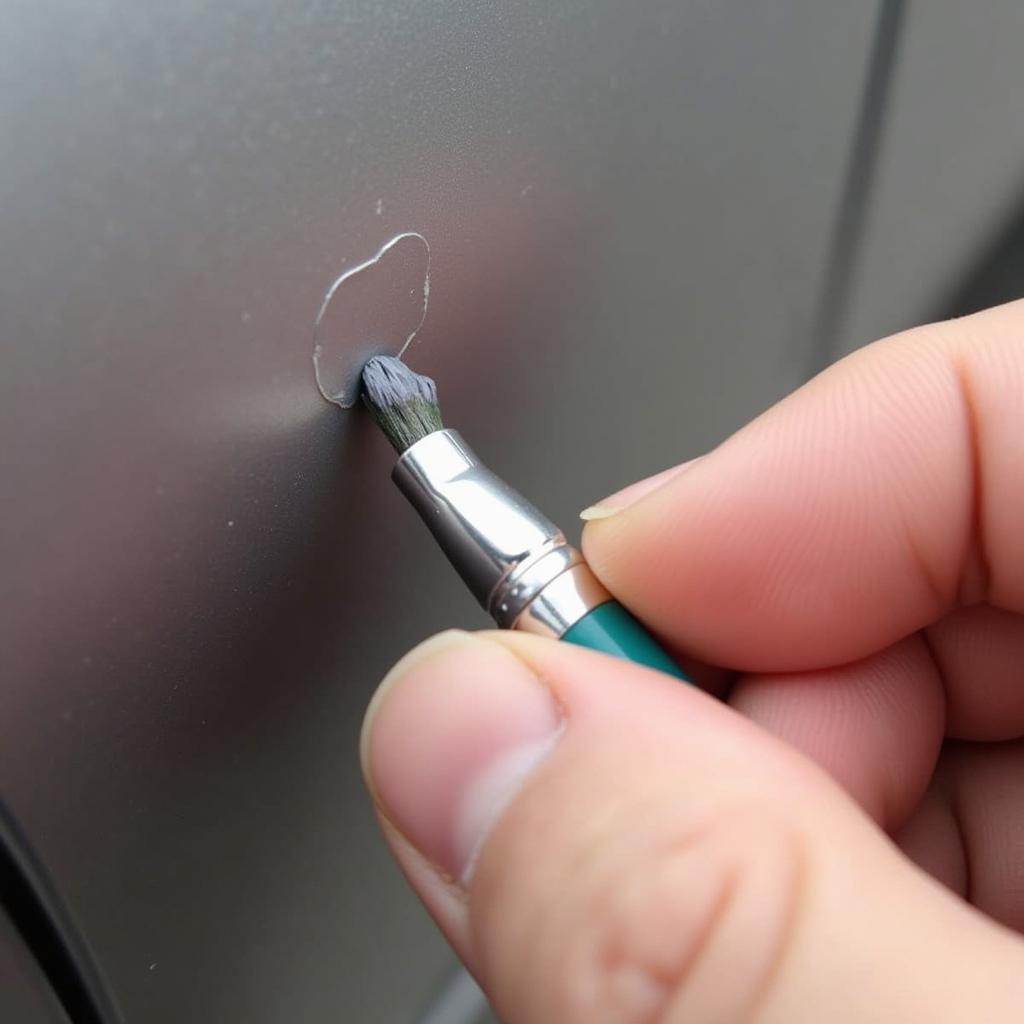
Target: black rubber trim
<point x="47" y="929"/>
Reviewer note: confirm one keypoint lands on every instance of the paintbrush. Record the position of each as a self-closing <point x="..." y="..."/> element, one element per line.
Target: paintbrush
<point x="515" y="561"/>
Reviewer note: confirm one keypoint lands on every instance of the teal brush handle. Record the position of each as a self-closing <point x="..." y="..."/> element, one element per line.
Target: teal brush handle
<point x="611" y="629"/>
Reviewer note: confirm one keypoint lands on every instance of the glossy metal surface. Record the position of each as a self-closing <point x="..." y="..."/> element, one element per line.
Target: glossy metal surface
<point x="563" y="602"/>
<point x="205" y="567"/>
<point x="507" y="552"/>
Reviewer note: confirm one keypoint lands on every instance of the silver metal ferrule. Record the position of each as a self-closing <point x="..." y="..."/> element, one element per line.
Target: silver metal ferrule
<point x="516" y="562"/>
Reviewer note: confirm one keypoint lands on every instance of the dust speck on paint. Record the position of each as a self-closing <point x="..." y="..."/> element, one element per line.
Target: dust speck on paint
<point x="231" y="522"/>
<point x="152" y="966"/>
<point x="380" y="207"/>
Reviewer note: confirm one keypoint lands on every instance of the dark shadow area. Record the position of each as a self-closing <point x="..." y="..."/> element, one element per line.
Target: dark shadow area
<point x="995" y="277"/>
<point x="847" y="235"/>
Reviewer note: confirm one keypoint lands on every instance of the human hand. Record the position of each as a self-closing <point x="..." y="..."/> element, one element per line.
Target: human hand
<point x="601" y="843"/>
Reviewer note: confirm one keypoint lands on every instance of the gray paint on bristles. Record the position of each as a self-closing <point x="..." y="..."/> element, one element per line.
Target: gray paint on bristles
<point x="403" y="403"/>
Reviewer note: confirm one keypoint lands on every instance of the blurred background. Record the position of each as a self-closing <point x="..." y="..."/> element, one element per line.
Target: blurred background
<point x="647" y="222"/>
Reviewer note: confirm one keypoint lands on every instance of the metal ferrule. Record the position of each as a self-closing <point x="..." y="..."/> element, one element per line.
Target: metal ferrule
<point x="516" y="562"/>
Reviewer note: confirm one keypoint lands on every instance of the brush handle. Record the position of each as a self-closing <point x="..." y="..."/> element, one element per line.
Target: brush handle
<point x="513" y="558"/>
<point x="611" y="629"/>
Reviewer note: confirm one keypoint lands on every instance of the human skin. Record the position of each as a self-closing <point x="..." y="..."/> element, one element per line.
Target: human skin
<point x="842" y="837"/>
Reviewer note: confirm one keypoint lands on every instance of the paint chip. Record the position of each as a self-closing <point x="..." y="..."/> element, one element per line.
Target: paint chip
<point x="374" y="308"/>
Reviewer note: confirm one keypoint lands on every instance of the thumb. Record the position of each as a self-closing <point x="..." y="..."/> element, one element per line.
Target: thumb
<point x="600" y="843"/>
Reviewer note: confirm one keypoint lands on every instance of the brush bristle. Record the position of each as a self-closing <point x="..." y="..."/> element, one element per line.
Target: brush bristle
<point x="403" y="403"/>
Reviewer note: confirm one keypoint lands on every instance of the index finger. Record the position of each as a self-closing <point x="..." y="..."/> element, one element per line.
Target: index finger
<point x="866" y="505"/>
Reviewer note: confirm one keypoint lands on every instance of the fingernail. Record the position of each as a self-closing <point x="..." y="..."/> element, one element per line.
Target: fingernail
<point x="451" y="736"/>
<point x="616" y="502"/>
<point x="602" y="510"/>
